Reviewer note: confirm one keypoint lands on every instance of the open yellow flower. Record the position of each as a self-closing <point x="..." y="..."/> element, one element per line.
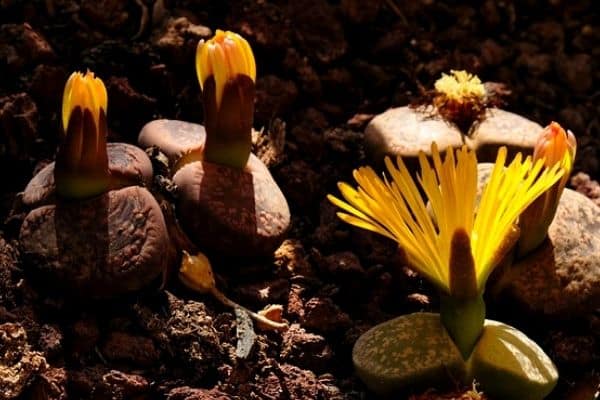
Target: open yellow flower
<point x="82" y="161"/>
<point x="227" y="73"/>
<point x="457" y="245"/>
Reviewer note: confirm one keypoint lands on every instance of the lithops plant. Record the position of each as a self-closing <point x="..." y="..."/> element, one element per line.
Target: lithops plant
<point x="227" y="201"/>
<point x="459" y="110"/>
<point x="98" y="234"/>
<point x="455" y="243"/>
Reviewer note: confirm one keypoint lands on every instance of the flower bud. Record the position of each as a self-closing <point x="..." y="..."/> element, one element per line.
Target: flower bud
<point x="554" y="146"/>
<point x="227" y="72"/>
<point x="81" y="168"/>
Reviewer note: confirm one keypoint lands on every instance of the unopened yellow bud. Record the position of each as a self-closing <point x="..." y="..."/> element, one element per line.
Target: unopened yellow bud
<point x="224" y="57"/>
<point x="81" y="169"/>
<point x="84" y="91"/>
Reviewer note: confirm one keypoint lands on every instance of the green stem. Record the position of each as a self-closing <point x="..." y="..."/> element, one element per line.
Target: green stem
<point x="463" y="318"/>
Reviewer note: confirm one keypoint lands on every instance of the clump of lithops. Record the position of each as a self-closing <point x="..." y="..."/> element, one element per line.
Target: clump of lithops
<point x="455" y="238"/>
<point x="92" y="227"/>
<point x="226" y="200"/>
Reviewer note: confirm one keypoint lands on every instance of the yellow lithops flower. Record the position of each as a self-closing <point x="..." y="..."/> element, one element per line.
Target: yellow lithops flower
<point x="460" y="85"/>
<point x="85" y="91"/>
<point x="224" y="57"/>
<point x="455" y="244"/>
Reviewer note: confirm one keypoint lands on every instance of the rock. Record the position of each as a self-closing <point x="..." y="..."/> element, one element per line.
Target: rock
<point x="583" y="184"/>
<point x="359" y="12"/>
<point x="122" y="385"/>
<point x="51" y="385"/>
<point x="576" y="71"/>
<point x="265" y="25"/>
<point x="18" y="364"/>
<point x="263" y="292"/>
<point x="84" y="336"/>
<point x="345" y="266"/>
<point x="193" y="337"/>
<point x="274" y="98"/>
<point x="21" y="46"/>
<point x="128" y="165"/>
<point x="117" y="243"/>
<point x="110" y="15"/>
<point x="404" y="132"/>
<point x="138" y="350"/>
<point x="9" y="258"/>
<point x="188" y="393"/>
<point x="561" y="279"/>
<point x="100" y="382"/>
<point x="319" y="32"/>
<point x="575" y="350"/>
<point x="300" y="183"/>
<point x="290" y="383"/>
<point x="50" y="341"/>
<point x="47" y="85"/>
<point x="128" y="106"/>
<point x="18" y="126"/>
<point x="179" y="39"/>
<point x="292" y="257"/>
<point x="412" y="350"/>
<point x="305" y="349"/>
<point x="510" y="366"/>
<point x="323" y="315"/>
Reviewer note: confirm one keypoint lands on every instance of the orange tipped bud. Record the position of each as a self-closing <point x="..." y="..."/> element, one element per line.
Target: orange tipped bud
<point x="224" y="57"/>
<point x="556" y="146"/>
<point x="86" y="92"/>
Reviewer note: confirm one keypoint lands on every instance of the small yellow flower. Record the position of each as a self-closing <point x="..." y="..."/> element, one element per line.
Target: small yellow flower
<point x="84" y="91"/>
<point x="224" y="57"/>
<point x="458" y="244"/>
<point x="460" y="86"/>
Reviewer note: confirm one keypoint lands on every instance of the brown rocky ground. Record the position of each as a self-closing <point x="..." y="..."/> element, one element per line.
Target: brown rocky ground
<point x="325" y="67"/>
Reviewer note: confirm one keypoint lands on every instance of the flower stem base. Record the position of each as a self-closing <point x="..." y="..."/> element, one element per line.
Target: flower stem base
<point x="463" y="319"/>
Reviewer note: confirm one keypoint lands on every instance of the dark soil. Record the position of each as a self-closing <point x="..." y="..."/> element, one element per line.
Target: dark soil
<point x="324" y="67"/>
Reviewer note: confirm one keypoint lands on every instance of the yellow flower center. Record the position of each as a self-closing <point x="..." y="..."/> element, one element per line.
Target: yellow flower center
<point x="460" y="85"/>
